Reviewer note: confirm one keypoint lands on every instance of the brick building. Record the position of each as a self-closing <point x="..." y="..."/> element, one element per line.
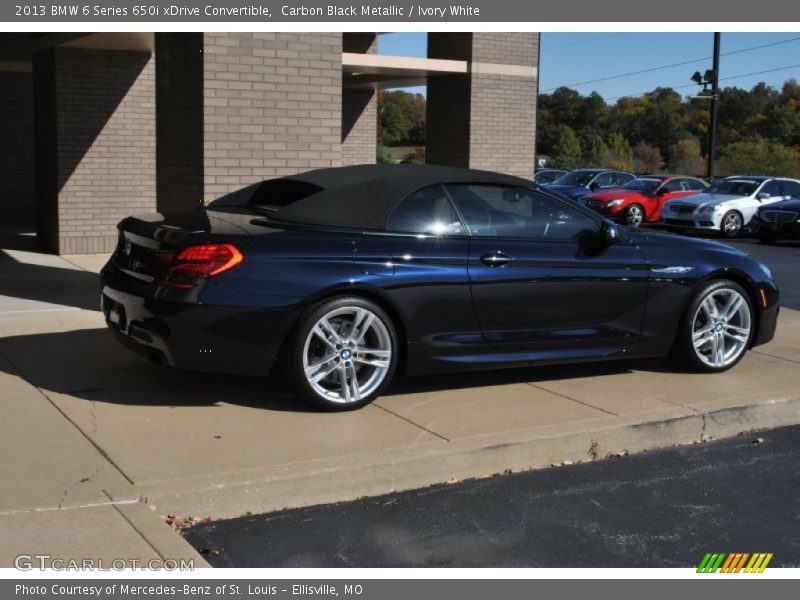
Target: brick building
<point x="99" y="126"/>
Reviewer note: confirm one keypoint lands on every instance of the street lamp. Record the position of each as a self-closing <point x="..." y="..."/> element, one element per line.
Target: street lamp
<point x="711" y="78"/>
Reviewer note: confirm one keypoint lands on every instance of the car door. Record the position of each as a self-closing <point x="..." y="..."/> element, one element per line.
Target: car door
<point x="426" y="246"/>
<point x="538" y="282"/>
<point x="672" y="189"/>
<point x="603" y="180"/>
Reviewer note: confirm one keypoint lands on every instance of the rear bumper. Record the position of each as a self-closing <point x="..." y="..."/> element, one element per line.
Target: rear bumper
<point x="216" y="339"/>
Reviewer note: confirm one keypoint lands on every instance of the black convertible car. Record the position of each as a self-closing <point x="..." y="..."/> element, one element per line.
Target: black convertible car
<point x="344" y="277"/>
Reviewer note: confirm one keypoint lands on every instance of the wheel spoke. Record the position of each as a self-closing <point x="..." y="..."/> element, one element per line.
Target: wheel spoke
<point x="361" y="330"/>
<point x="317" y="330"/>
<point x="354" y="383"/>
<point x="718" y="350"/>
<point x="702" y="337"/>
<point x="710" y="307"/>
<point x="374" y="352"/>
<point x="742" y="330"/>
<point x="328" y="328"/>
<point x="732" y="306"/>
<point x="372" y="363"/>
<point x="736" y="336"/>
<point x="343" y="382"/>
<point x="321" y="370"/>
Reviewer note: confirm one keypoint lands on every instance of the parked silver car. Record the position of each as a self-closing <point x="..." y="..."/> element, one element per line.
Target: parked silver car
<point x="728" y="205"/>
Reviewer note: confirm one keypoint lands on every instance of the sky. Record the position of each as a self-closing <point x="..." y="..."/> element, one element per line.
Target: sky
<point x="573" y="58"/>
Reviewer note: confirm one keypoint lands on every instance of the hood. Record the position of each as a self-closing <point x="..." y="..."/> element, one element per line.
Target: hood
<point x="793" y="204"/>
<point x="650" y="239"/>
<point x="706" y="198"/>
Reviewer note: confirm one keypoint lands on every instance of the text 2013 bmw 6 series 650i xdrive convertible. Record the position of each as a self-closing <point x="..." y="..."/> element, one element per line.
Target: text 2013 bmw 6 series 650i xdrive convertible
<point x="344" y="277"/>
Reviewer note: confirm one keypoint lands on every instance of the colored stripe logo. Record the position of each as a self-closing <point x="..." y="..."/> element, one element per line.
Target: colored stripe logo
<point x="737" y="562"/>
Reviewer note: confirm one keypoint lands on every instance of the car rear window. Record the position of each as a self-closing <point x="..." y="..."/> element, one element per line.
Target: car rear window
<point x="271" y="195"/>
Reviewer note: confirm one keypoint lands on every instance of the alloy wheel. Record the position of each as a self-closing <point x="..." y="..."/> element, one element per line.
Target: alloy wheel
<point x="634" y="215"/>
<point x="731" y="224"/>
<point x="347" y="354"/>
<point x="721" y="327"/>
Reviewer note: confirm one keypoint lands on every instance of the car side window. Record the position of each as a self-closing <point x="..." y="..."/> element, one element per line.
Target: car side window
<point x="674" y="185"/>
<point x="426" y="211"/>
<point x="790" y="188"/>
<point x="695" y="185"/>
<point x="507" y="211"/>
<point x="605" y="179"/>
<point x="623" y="178"/>
<point x="773" y="188"/>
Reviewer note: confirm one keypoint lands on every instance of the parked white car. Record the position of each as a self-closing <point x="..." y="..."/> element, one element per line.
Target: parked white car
<point x="728" y="205"/>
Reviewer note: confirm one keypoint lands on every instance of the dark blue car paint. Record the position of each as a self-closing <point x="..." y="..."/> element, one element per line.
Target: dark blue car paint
<point x="554" y="302"/>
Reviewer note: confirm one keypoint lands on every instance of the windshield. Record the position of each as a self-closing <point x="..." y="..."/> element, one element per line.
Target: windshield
<point x="642" y="185"/>
<point x="580" y="178"/>
<point x="734" y="187"/>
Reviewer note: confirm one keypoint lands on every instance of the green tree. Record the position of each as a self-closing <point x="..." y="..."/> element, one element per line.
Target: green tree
<point x="763" y="157"/>
<point x="594" y="148"/>
<point x="567" y="149"/>
<point x="401" y="118"/>
<point x="686" y="157"/>
<point x="619" y="154"/>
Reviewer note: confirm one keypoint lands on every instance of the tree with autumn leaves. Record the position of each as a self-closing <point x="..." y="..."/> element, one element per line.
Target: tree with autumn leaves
<point x="758" y="131"/>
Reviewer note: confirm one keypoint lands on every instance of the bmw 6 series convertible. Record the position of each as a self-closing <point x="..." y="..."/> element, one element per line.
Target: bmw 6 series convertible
<point x="344" y="277"/>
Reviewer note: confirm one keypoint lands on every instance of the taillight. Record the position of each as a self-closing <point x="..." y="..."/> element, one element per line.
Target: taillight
<point x="202" y="261"/>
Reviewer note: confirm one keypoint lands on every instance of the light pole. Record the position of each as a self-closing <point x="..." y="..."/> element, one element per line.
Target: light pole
<point x="711" y="77"/>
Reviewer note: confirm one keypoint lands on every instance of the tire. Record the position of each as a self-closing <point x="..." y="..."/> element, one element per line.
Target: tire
<point x="731" y="224"/>
<point x="634" y="215"/>
<point x="323" y="356"/>
<point x="711" y="343"/>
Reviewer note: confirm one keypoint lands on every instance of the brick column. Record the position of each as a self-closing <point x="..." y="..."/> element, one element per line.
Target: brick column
<point x="359" y="108"/>
<point x="95" y="145"/>
<point x="271" y="106"/>
<point x="487" y="119"/>
<point x="17" y="198"/>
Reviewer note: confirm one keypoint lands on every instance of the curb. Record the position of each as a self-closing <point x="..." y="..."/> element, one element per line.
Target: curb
<point x="265" y="490"/>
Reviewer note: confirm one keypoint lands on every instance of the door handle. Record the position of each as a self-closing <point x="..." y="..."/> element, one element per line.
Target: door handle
<point x="496" y="259"/>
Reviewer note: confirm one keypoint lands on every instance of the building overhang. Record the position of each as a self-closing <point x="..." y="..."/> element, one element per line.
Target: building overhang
<point x="378" y="71"/>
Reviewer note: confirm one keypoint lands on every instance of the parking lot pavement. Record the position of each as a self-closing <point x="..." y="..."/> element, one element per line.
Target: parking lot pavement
<point x="664" y="508"/>
<point x="207" y="445"/>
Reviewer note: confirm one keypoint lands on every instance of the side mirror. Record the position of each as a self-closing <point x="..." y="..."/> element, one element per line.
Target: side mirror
<point x="610" y="233"/>
<point x="762" y="196"/>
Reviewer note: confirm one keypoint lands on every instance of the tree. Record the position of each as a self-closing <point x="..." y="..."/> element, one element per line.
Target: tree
<point x="761" y="157"/>
<point x="686" y="157"/>
<point x="567" y="149"/>
<point x="401" y="118"/>
<point x="594" y="148"/>
<point x="647" y="158"/>
<point x="619" y="154"/>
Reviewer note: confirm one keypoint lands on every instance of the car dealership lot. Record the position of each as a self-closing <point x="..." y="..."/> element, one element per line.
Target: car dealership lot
<point x="91" y="427"/>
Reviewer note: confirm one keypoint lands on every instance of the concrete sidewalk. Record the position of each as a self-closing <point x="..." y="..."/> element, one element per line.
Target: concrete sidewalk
<point x="94" y="436"/>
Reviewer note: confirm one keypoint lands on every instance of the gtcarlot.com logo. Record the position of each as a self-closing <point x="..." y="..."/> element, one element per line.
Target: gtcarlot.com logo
<point x="30" y="562"/>
<point x="737" y="562"/>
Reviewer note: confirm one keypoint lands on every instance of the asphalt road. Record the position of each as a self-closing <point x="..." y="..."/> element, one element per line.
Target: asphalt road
<point x="784" y="260"/>
<point x="664" y="508"/>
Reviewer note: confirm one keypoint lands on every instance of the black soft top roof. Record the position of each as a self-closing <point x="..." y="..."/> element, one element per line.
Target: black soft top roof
<point x="363" y="196"/>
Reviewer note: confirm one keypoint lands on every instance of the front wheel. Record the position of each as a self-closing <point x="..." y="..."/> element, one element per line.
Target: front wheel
<point x="634" y="215"/>
<point x="717" y="328"/>
<point x="342" y="354"/>
<point x="731" y="224"/>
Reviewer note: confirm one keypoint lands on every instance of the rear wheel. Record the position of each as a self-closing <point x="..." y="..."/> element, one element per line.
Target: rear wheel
<point x="634" y="215"/>
<point x="342" y="354"/>
<point x="731" y="224"/>
<point x="716" y="330"/>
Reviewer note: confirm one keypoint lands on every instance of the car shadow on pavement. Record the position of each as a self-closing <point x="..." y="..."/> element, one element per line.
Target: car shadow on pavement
<point x="61" y="286"/>
<point x="90" y="364"/>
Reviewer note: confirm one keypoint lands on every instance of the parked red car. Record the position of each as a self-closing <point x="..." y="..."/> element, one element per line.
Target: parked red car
<point x="641" y="200"/>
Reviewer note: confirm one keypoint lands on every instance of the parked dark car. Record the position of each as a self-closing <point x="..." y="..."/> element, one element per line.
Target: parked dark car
<point x="777" y="221"/>
<point x="547" y="176"/>
<point x="581" y="182"/>
<point x="344" y="277"/>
